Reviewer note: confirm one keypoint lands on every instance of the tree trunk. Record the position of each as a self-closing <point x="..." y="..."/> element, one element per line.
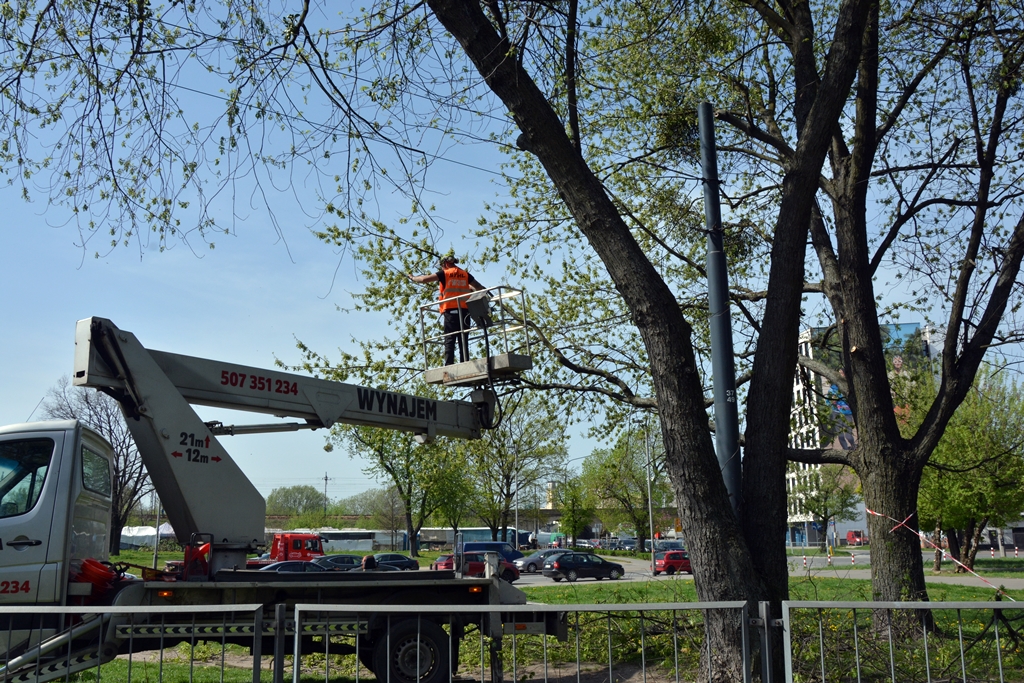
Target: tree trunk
<point x="116" y="527"/>
<point x="975" y="542"/>
<point x="953" y="537"/>
<point x="897" y="565"/>
<point x="414" y="543"/>
<point x="967" y="544"/>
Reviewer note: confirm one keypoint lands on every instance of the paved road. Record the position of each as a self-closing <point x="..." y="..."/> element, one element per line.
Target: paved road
<point x="841" y="568"/>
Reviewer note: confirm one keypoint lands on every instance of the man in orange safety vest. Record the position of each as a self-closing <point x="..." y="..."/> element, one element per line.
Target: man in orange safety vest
<point x="453" y="282"/>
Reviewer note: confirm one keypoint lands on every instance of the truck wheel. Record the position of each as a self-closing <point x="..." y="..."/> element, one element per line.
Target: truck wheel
<point x="509" y="576"/>
<point x="366" y="659"/>
<point x="417" y="647"/>
<point x="572" y="575"/>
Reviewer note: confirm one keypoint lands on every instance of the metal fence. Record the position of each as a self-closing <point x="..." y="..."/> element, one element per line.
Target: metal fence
<point x="648" y="642"/>
<point x="903" y="642"/>
<point x="640" y="643"/>
<point x="126" y="643"/>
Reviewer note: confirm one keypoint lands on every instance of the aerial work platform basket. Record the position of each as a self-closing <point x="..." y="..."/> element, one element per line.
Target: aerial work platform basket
<point x="497" y="335"/>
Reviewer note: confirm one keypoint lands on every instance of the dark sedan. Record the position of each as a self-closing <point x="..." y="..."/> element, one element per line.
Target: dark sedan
<point x="397" y="561"/>
<point x="340" y="562"/>
<point x="571" y="566"/>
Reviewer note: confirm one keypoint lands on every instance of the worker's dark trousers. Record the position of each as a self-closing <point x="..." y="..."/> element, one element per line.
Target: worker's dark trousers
<point x="454" y="331"/>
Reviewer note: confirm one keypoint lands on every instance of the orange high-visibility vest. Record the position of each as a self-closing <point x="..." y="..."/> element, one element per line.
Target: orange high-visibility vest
<point x="456" y="282"/>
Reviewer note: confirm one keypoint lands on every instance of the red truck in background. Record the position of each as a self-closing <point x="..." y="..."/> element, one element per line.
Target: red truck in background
<point x="289" y="546"/>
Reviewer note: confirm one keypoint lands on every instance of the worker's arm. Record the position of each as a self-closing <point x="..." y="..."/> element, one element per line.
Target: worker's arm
<point x="423" y="279"/>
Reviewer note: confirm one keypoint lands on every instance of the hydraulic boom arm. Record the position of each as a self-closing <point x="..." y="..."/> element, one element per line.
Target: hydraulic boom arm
<point x="200" y="485"/>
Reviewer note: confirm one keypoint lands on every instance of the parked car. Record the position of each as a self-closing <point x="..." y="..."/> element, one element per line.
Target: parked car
<point x="571" y="566"/>
<point x="627" y="544"/>
<point x="500" y="547"/>
<point x="534" y="562"/>
<point x="289" y="566"/>
<point x="340" y="562"/>
<point x="671" y="562"/>
<point x="396" y="560"/>
<point x="474" y="566"/>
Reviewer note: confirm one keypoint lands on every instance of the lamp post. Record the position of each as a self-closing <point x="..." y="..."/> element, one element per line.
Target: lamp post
<point x="650" y="501"/>
<point x="515" y="480"/>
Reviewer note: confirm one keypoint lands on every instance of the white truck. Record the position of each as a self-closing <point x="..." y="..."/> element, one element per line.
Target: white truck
<point x="55" y="498"/>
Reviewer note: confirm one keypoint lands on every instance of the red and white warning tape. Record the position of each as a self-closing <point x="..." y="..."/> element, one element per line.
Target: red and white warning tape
<point x="927" y="540"/>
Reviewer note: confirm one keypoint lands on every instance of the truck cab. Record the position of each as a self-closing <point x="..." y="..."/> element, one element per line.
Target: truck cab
<point x="55" y="501"/>
<point x="299" y="546"/>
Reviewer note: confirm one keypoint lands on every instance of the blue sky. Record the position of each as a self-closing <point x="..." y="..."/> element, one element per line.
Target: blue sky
<point x="246" y="301"/>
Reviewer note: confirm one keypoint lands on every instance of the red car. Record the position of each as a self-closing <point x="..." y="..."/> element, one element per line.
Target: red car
<point x="475" y="566"/>
<point x="672" y="561"/>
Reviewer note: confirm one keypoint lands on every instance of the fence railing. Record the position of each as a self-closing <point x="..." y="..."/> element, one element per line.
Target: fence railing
<point x="61" y="643"/>
<point x="643" y="643"/>
<point x="656" y="641"/>
<point x="903" y="641"/>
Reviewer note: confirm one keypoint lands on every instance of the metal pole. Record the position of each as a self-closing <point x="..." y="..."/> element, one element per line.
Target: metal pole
<point x="516" y="453"/>
<point x="650" y="503"/>
<point x="722" y="363"/>
<point x="156" y="543"/>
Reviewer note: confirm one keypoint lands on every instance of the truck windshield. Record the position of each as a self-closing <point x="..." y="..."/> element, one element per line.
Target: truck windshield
<point x="23" y="466"/>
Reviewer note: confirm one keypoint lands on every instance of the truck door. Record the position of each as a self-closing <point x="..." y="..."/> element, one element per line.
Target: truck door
<point x="28" y="474"/>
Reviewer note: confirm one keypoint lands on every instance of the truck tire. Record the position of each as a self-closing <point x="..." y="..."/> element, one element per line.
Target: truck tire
<point x="412" y="643"/>
<point x="366" y="659"/>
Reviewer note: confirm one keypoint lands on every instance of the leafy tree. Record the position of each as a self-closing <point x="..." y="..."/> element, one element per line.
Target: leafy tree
<point x="388" y="512"/>
<point x="130" y="482"/>
<point x="577" y="507"/>
<point x="829" y="494"/>
<point x="296" y="500"/>
<point x="976" y="475"/>
<point x="360" y="504"/>
<point x="617" y="478"/>
<point x="456" y="495"/>
<point x="415" y="472"/>
<point x="527" y="446"/>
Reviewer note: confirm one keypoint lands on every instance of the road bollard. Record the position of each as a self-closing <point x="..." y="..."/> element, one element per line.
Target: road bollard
<point x="805" y="562"/>
<point x="853" y="559"/>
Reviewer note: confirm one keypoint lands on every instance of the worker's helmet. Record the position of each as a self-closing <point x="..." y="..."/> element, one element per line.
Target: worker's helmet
<point x="449" y="257"/>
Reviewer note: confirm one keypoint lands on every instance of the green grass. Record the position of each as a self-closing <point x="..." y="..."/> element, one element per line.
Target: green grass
<point x="800" y="588"/>
<point x="999" y="567"/>
<point x="145" y="557"/>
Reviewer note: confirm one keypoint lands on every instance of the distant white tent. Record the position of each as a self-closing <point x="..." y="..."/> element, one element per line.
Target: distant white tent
<point x="167" y="531"/>
<point x="134" y="537"/>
